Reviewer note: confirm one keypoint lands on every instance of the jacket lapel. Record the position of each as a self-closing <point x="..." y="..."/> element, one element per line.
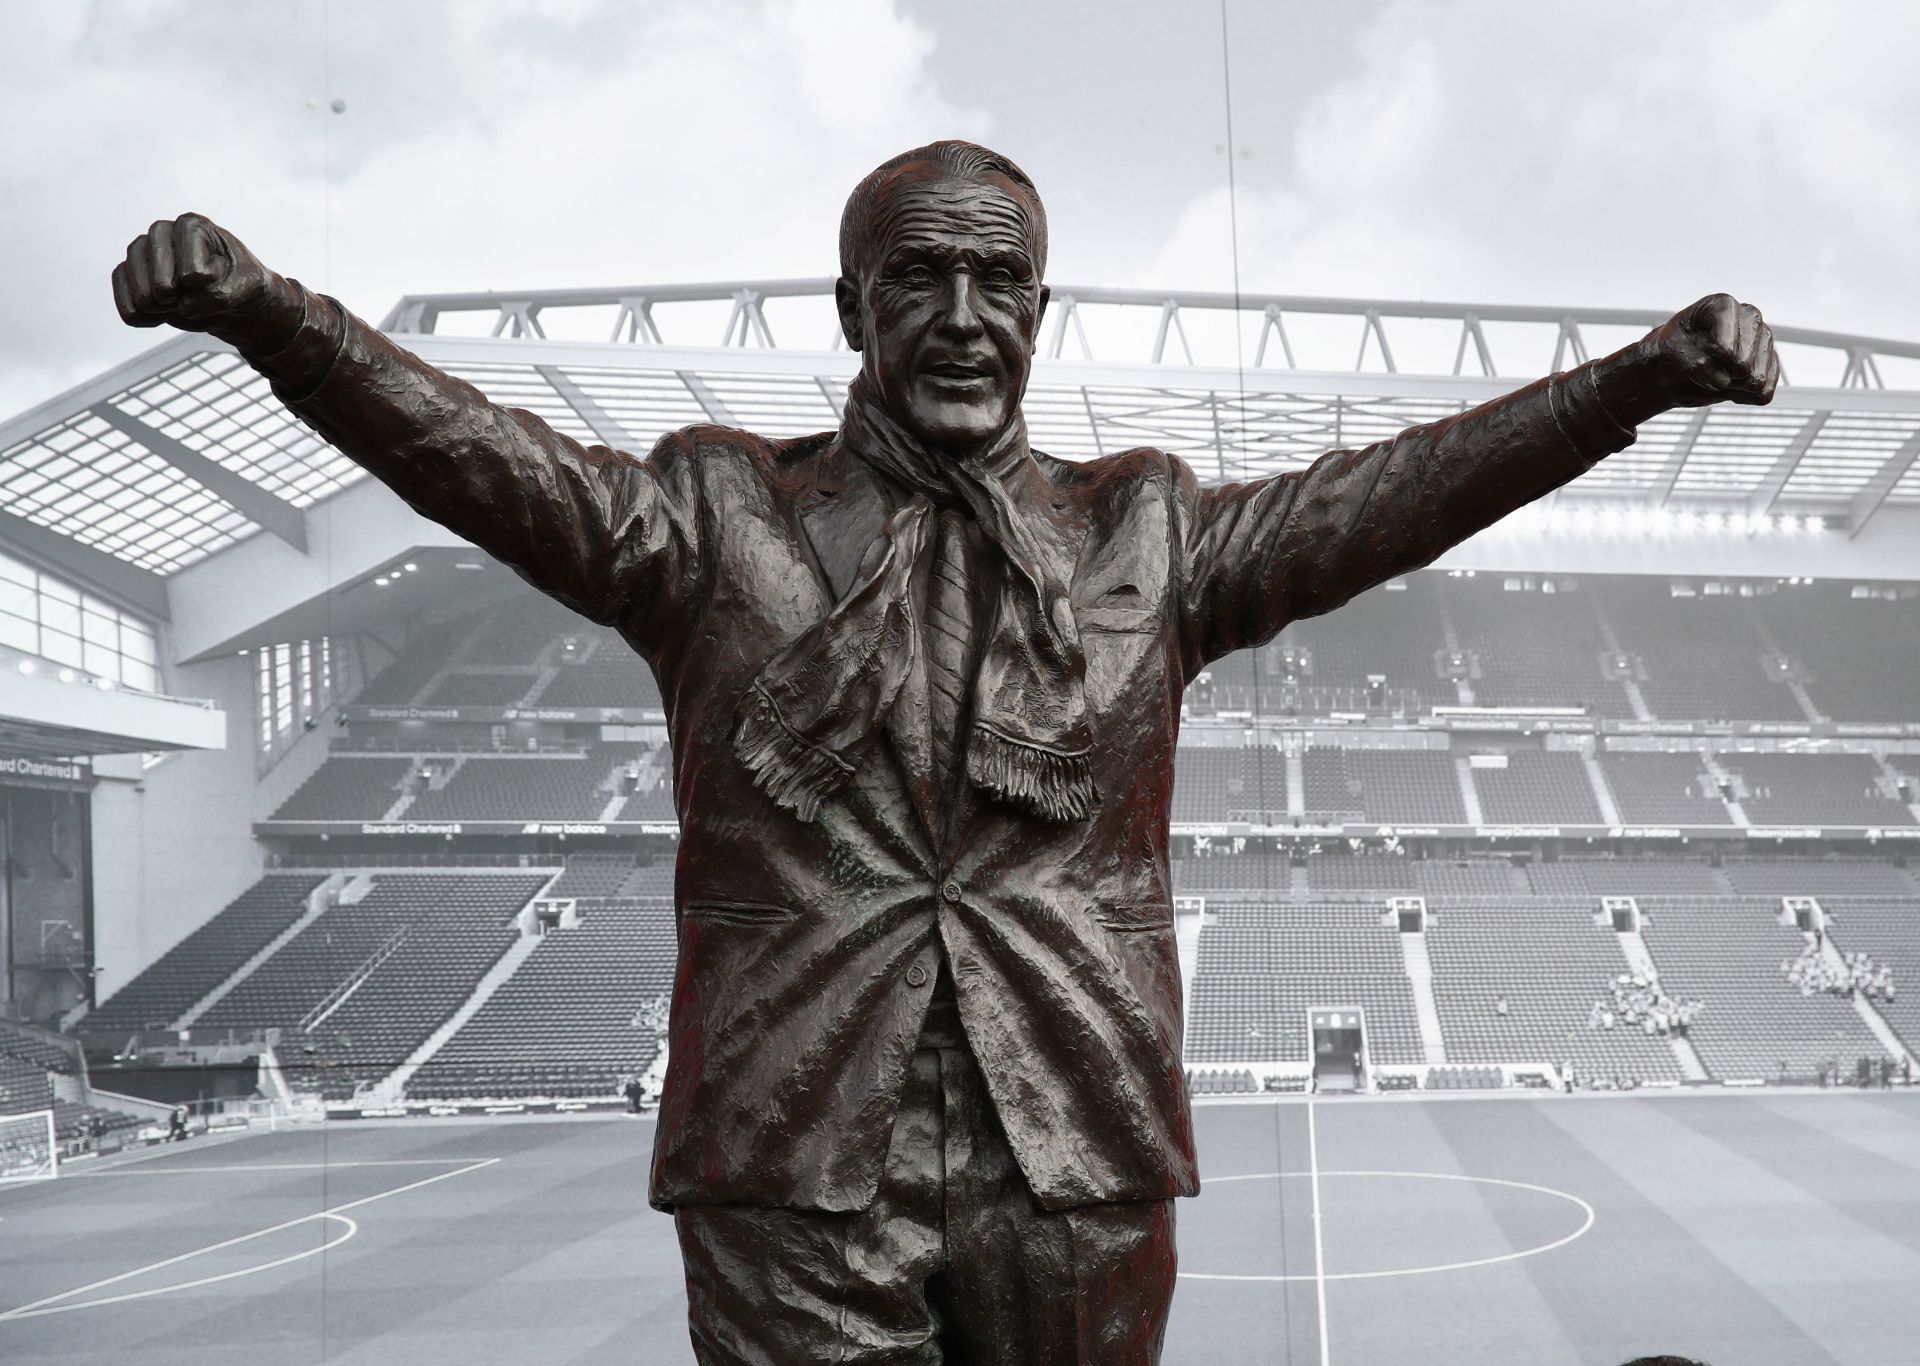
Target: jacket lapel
<point x="841" y="514"/>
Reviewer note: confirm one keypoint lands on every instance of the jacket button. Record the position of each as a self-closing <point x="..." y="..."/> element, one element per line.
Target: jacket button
<point x="950" y="891"/>
<point x="916" y="976"/>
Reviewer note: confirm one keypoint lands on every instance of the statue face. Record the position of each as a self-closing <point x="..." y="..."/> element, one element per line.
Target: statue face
<point x="949" y="314"/>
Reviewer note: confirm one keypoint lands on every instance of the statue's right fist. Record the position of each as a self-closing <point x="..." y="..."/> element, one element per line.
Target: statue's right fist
<point x="194" y="274"/>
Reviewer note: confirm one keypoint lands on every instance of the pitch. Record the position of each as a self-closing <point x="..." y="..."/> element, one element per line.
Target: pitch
<point x="1749" y="1229"/>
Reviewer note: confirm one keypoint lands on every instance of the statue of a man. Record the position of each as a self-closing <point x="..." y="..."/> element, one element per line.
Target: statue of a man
<point x="925" y="1100"/>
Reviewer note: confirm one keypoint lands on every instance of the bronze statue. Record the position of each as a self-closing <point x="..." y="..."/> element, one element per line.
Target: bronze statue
<point x="925" y="1100"/>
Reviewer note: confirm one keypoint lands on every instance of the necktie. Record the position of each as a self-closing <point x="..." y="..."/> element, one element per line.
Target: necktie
<point x="949" y="641"/>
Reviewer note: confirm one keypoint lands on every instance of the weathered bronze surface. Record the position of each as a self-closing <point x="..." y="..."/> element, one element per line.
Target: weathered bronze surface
<point x="923" y="684"/>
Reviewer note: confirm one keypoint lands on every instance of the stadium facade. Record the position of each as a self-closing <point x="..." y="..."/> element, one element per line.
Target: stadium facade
<point x="286" y="769"/>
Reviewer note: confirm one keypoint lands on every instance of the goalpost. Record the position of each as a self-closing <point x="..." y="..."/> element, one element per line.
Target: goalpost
<point x="28" y="1150"/>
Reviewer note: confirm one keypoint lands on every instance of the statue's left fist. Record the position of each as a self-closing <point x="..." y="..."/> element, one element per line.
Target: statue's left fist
<point x="1720" y="350"/>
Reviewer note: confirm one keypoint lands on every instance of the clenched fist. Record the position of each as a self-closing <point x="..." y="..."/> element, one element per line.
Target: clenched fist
<point x="1720" y="350"/>
<point x="194" y="274"/>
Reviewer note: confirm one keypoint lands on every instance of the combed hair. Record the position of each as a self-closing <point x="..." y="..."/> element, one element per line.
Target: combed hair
<point x="960" y="161"/>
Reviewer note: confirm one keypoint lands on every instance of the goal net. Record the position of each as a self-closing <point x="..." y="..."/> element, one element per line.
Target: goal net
<point x="27" y="1148"/>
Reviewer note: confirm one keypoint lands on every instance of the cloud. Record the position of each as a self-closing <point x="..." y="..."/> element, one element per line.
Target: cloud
<point x="1619" y="155"/>
<point x="516" y="143"/>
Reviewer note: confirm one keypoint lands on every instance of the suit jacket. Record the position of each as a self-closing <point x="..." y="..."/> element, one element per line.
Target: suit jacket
<point x="807" y="950"/>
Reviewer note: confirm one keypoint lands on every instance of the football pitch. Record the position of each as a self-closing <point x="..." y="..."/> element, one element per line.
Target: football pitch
<point x="1745" y="1229"/>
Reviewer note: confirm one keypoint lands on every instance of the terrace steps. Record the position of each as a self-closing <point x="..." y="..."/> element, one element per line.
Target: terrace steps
<point x="1413" y="949"/>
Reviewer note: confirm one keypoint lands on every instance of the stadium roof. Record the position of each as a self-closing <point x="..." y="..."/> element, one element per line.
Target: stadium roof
<point x="181" y="451"/>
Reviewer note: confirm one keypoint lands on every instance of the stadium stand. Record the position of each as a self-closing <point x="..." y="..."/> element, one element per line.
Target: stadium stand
<point x="1727" y="952"/>
<point x="1814" y="789"/>
<point x="1238" y="783"/>
<point x="521" y="632"/>
<point x="610" y="675"/>
<point x="1359" y="872"/>
<point x="1263" y="874"/>
<point x="1263" y="966"/>
<point x="462" y="927"/>
<point x="185" y="973"/>
<point x="1702" y="656"/>
<point x="347" y="787"/>
<point x="592" y="875"/>
<point x="24" y="1087"/>
<point x="1860" y="654"/>
<point x="347" y="938"/>
<point x="1819" y="877"/>
<point x="413" y="668"/>
<point x="1652" y="788"/>
<point x="41" y="1049"/>
<point x="1391" y="630"/>
<point x="653" y="801"/>
<point x="1625" y="877"/>
<point x="547" y="787"/>
<point x="1537" y="787"/>
<point x="1550" y="962"/>
<point x="475" y="689"/>
<point x="1398" y="786"/>
<point x="1887" y="930"/>
<point x="1466" y="877"/>
<point x="606" y="969"/>
<point x="1379" y="872"/>
<point x="1533" y="648"/>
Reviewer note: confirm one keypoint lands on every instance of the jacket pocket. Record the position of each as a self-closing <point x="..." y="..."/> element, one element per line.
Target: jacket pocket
<point x="739" y="912"/>
<point x="1121" y="619"/>
<point x="1132" y="916"/>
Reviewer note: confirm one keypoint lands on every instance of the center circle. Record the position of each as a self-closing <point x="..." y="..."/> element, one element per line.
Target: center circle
<point x="1586" y="1223"/>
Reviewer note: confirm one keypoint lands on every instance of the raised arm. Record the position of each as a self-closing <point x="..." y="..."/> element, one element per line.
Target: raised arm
<point x="1256" y="556"/>
<point x="612" y="536"/>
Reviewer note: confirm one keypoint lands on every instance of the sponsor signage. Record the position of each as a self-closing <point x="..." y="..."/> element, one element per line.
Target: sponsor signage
<point x="51" y="772"/>
<point x="613" y="829"/>
<point x="496" y="715"/>
<point x="445" y="829"/>
<point x="476" y="1109"/>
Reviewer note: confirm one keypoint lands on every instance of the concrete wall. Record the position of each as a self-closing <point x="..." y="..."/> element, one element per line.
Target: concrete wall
<point x="174" y="844"/>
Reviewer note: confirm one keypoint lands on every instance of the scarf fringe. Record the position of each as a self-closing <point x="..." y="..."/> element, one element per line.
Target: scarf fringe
<point x="790" y="769"/>
<point x="1057" y="786"/>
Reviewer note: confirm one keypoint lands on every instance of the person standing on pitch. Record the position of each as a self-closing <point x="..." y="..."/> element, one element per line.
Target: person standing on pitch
<point x="925" y="1100"/>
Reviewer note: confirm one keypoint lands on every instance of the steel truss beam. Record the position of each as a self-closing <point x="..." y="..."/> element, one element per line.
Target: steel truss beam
<point x="1767" y="493"/>
<point x="600" y="422"/>
<point x="1873" y="495"/>
<point x="518" y="313"/>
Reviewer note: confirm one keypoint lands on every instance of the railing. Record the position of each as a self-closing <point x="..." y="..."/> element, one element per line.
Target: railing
<point x="334" y="999"/>
<point x="1471" y="330"/>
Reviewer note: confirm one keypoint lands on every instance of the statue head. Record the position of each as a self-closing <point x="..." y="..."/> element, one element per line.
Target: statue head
<point x="941" y="255"/>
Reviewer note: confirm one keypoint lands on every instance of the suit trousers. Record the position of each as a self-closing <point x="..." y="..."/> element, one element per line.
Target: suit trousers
<point x="954" y="1262"/>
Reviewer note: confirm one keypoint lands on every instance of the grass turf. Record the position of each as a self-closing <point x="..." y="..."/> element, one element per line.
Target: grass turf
<point x="1746" y="1230"/>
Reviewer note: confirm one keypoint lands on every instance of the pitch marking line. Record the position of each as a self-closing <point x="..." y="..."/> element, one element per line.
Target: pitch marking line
<point x="57" y="1304"/>
<point x="275" y="1167"/>
<point x="1319" y="1251"/>
<point x="1586" y="1223"/>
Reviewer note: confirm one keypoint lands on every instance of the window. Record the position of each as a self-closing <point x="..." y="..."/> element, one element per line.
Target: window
<point x="54" y="619"/>
<point x="293" y="685"/>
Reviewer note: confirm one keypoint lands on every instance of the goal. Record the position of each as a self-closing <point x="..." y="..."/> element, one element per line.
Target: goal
<point x="28" y="1151"/>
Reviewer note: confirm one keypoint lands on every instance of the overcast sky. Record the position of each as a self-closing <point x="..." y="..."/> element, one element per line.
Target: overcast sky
<point x="1485" y="150"/>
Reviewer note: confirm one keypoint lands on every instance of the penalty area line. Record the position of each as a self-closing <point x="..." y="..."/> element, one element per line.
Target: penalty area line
<point x="58" y="1304"/>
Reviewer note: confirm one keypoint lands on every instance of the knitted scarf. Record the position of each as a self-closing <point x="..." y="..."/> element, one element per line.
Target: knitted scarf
<point x="815" y="707"/>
